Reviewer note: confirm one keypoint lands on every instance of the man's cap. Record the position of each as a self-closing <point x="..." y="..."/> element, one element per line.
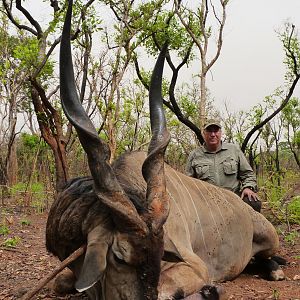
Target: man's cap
<point x="212" y="123"/>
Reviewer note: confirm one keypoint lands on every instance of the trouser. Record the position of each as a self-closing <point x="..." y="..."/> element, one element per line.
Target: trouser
<point x="256" y="205"/>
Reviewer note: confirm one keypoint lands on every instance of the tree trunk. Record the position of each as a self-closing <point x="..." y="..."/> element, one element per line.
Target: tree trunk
<point x="60" y="168"/>
<point x="203" y="100"/>
<point x="296" y="157"/>
<point x="50" y="125"/>
<point x="277" y="163"/>
<point x="13" y="166"/>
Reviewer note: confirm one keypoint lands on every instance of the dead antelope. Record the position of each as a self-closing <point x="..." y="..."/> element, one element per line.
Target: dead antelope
<point x="151" y="232"/>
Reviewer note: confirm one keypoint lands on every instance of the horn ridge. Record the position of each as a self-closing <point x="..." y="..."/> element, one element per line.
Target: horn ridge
<point x="157" y="115"/>
<point x="153" y="167"/>
<point x="70" y="101"/>
<point x="106" y="185"/>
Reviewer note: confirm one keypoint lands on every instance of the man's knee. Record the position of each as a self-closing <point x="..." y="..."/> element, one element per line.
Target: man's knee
<point x="255" y="204"/>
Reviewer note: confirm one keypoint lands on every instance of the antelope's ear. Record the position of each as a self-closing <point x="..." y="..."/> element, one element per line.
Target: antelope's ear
<point x="94" y="263"/>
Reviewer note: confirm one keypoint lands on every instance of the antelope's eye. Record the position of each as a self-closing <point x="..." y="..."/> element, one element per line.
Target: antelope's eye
<point x="119" y="260"/>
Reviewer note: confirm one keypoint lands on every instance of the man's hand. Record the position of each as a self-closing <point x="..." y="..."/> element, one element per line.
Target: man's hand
<point x="250" y="194"/>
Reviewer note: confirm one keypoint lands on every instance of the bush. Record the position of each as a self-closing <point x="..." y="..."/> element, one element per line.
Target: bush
<point x="4" y="230"/>
<point x="293" y="209"/>
<point x="30" y="195"/>
<point x="12" y="242"/>
<point x="285" y="208"/>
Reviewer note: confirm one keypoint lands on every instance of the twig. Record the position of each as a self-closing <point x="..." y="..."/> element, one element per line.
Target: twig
<point x="62" y="265"/>
<point x="12" y="249"/>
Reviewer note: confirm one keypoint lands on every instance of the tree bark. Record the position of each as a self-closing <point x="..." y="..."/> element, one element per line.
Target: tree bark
<point x="50" y="125"/>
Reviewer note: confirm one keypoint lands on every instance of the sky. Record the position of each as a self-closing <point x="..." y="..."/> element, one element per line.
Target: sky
<point x="251" y="63"/>
<point x="250" y="66"/>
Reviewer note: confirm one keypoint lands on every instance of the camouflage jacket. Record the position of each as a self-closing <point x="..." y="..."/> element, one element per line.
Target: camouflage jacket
<point x="227" y="168"/>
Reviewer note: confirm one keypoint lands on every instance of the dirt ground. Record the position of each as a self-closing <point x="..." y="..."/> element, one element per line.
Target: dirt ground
<point x="22" y="266"/>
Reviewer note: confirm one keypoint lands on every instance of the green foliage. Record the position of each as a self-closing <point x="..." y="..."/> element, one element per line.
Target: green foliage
<point x="32" y="142"/>
<point x="22" y="187"/>
<point x="12" y="242"/>
<point x="291" y="44"/>
<point x="33" y="153"/>
<point x="296" y="139"/>
<point x="4" y="230"/>
<point x="293" y="209"/>
<point x="25" y="222"/>
<point x="276" y="294"/>
<point x="34" y="192"/>
<point x="27" y="53"/>
<point x="8" y="65"/>
<point x="291" y="112"/>
<point x="256" y="114"/>
<point x="92" y="23"/>
<point x="178" y="38"/>
<point x="146" y="21"/>
<point x="190" y="108"/>
<point x="291" y="237"/>
<point x="274" y="193"/>
<point x="291" y="119"/>
<point x="286" y="209"/>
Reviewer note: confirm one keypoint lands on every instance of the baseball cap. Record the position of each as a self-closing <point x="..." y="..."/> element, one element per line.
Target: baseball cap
<point x="212" y="122"/>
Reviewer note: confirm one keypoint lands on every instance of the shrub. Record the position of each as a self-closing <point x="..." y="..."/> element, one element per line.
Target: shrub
<point x="293" y="209"/>
<point x="4" y="230"/>
<point x="283" y="207"/>
<point x="11" y="242"/>
<point x="30" y="195"/>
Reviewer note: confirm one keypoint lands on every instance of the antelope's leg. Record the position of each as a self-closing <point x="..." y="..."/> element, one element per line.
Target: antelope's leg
<point x="64" y="283"/>
<point x="265" y="245"/>
<point x="178" y="280"/>
<point x="265" y="238"/>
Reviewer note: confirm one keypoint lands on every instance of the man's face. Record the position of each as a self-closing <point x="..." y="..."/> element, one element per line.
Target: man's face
<point x="212" y="135"/>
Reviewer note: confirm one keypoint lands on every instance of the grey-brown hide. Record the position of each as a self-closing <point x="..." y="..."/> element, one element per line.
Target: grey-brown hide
<point x="210" y="233"/>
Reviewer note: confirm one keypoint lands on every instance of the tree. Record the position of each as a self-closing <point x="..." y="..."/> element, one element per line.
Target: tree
<point x="123" y="45"/>
<point x="291" y="47"/>
<point x="35" y="53"/>
<point x="12" y="76"/>
<point x="291" y="120"/>
<point x="157" y="25"/>
<point x="145" y="24"/>
<point x="206" y="11"/>
<point x="185" y="28"/>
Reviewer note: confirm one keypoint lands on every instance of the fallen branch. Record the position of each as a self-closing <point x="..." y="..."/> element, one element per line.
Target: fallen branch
<point x="12" y="249"/>
<point x="57" y="270"/>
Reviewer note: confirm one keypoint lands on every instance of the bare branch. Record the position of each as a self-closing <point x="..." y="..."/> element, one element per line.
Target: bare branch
<point x="215" y="13"/>
<point x="265" y="121"/>
<point x="290" y="54"/>
<point x="55" y="6"/>
<point x="220" y="39"/>
<point x="197" y="42"/>
<point x="80" y="251"/>
<point x="32" y="21"/>
<point x="15" y="22"/>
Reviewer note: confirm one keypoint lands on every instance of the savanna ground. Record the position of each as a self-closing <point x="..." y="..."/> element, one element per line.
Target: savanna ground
<point x="24" y="261"/>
